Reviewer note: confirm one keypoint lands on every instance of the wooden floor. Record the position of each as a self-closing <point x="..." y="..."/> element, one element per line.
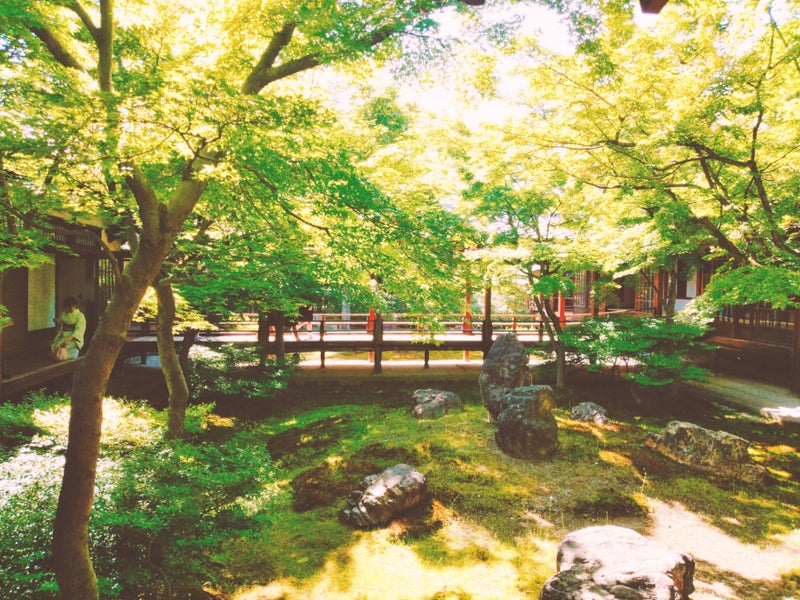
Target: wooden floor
<point x="30" y="370"/>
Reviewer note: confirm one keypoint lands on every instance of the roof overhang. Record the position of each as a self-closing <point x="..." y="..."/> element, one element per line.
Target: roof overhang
<point x="652" y="6"/>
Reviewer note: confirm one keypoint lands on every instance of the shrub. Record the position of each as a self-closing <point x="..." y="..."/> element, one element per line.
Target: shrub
<point x="160" y="510"/>
<point x="657" y="349"/>
<point x="16" y="425"/>
<point x="28" y="496"/>
<point x="238" y="371"/>
<point x="171" y="504"/>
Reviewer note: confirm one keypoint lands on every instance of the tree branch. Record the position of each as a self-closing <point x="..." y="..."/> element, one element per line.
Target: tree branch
<point x="57" y="49"/>
<point x="145" y="197"/>
<point x="265" y="71"/>
<point x="260" y="76"/>
<point x="104" y="38"/>
<point x="93" y="30"/>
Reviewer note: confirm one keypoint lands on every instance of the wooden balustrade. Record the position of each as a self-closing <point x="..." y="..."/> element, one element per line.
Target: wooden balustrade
<point x="369" y="332"/>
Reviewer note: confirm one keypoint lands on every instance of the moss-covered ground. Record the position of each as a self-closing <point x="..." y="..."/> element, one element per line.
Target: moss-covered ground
<point x="491" y="528"/>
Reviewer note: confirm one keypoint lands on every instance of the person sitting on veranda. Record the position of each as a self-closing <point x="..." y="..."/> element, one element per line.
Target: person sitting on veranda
<point x="70" y="330"/>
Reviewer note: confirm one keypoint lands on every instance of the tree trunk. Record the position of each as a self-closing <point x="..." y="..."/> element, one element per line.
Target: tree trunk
<point x="671" y="293"/>
<point x="170" y="361"/>
<point x="161" y="223"/>
<point x="552" y="323"/>
<point x="189" y="338"/>
<point x="561" y="365"/>
<point x="73" y="566"/>
<point x="262" y="338"/>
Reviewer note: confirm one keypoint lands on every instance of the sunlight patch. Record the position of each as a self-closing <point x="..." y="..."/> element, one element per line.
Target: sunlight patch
<point x="676" y="527"/>
<point x="615" y="458"/>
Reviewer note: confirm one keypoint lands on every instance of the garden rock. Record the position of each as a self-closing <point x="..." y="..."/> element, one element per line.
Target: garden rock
<point x="526" y="427"/>
<point x="589" y="412"/>
<point x="505" y="367"/>
<point x="618" y="563"/>
<point x="379" y="498"/>
<point x="430" y="403"/>
<point x="717" y="452"/>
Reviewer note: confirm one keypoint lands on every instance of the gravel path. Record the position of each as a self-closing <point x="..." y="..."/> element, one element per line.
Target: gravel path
<point x="770" y="400"/>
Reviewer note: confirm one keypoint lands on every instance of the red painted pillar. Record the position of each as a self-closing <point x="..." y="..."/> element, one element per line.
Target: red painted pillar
<point x="466" y="325"/>
<point x="562" y="309"/>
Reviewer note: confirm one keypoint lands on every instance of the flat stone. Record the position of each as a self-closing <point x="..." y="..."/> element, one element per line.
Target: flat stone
<point x="431" y="403"/>
<point x="616" y="563"/>
<point x="717" y="452"/>
<point x="589" y="412"/>
<point x="382" y="497"/>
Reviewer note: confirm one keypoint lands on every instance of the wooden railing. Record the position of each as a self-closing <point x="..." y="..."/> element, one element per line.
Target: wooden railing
<point x="764" y="330"/>
<point x="361" y="323"/>
<point x="365" y="332"/>
<point x="757" y="323"/>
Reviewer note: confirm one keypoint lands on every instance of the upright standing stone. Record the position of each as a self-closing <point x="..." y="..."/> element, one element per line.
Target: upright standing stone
<point x="526" y="427"/>
<point x="504" y="368"/>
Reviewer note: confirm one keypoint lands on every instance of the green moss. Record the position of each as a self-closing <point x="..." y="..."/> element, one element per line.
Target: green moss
<point x="609" y="502"/>
<point x="315" y="436"/>
<point x="492" y="520"/>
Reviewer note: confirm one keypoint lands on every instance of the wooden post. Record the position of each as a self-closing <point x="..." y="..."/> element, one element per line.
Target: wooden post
<point x="487" y="334"/>
<point x="656" y="294"/>
<point x="562" y="309"/>
<point x="371" y="329"/>
<point x="427" y="359"/>
<point x="466" y="325"/>
<point x="321" y="342"/>
<point x="377" y="344"/>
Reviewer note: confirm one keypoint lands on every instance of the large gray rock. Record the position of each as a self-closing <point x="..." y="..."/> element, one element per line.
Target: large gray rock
<point x="615" y="563"/>
<point x="505" y="367"/>
<point x="430" y="403"/>
<point x="717" y="452"/>
<point x="589" y="412"/>
<point x="526" y="427"/>
<point x="382" y="497"/>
